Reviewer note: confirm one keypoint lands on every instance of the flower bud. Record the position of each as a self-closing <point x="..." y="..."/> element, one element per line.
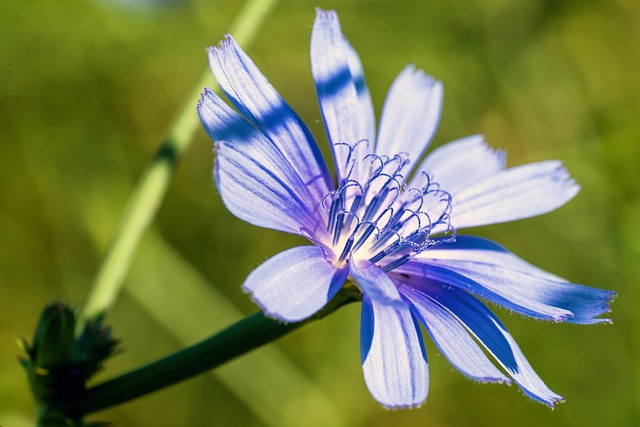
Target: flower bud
<point x="53" y="340"/>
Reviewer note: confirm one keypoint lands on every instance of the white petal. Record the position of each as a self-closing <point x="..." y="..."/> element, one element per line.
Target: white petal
<point x="459" y="164"/>
<point x="410" y="116"/>
<point x="511" y="194"/>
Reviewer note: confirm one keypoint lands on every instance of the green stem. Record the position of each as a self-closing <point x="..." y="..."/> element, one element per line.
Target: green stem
<point x="148" y="194"/>
<point x="242" y="337"/>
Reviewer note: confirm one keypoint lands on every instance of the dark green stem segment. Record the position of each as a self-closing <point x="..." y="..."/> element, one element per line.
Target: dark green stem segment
<point x="242" y="337"/>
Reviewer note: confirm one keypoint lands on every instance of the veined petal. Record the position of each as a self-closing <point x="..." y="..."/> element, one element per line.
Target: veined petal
<point x="254" y="97"/>
<point x="393" y="357"/>
<point x="420" y="271"/>
<point x="486" y="327"/>
<point x="255" y="181"/>
<point x="410" y="116"/>
<point x="332" y="64"/>
<point x="375" y="283"/>
<point x="494" y="267"/>
<point x="460" y="163"/>
<point x="515" y="193"/>
<point x="451" y="338"/>
<point x="295" y="284"/>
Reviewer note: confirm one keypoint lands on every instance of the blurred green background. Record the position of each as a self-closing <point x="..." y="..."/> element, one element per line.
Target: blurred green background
<point x="88" y="88"/>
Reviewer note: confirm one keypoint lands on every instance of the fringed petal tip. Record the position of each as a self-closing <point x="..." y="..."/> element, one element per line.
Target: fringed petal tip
<point x="589" y="312"/>
<point x="551" y="401"/>
<point x="206" y="105"/>
<point x="206" y="93"/>
<point x="326" y="15"/>
<point x="422" y="78"/>
<point x="226" y="40"/>
<point x="600" y="308"/>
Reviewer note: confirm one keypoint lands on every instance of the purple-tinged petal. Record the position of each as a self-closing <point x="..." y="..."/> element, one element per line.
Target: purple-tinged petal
<point x="375" y="283"/>
<point x="255" y="181"/>
<point x="393" y="357"/>
<point x="451" y="338"/>
<point x="486" y="327"/>
<point x="494" y="267"/>
<point x="259" y="102"/>
<point x="410" y="116"/>
<point x="295" y="284"/>
<point x="459" y="164"/>
<point x="515" y="193"/>
<point x="338" y="97"/>
<point x="418" y="272"/>
<point x="473" y="248"/>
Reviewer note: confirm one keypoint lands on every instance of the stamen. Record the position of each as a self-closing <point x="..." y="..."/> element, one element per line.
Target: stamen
<point x="365" y="235"/>
<point x="338" y="230"/>
<point x="401" y="217"/>
<point x="354" y="208"/>
<point x="346" y="249"/>
<point x="395" y="264"/>
<point x="334" y="210"/>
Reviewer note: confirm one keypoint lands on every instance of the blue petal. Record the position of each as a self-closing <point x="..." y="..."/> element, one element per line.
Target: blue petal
<point x="255" y="181"/>
<point x="418" y="272"/>
<point x="486" y="327"/>
<point x="410" y="115"/>
<point x="393" y="358"/>
<point x="338" y="97"/>
<point x="451" y="338"/>
<point x="522" y="284"/>
<point x="374" y="282"/>
<point x="257" y="100"/>
<point x="511" y="194"/>
<point x="460" y="163"/>
<point x="295" y="284"/>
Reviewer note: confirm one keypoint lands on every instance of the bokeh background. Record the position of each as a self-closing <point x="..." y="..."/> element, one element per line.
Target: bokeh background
<point x="88" y="88"/>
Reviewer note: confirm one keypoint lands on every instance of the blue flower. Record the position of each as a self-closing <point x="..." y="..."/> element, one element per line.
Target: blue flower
<point x="386" y="222"/>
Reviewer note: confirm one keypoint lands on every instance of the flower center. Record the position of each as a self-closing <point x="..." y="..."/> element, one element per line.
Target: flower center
<point x="382" y="219"/>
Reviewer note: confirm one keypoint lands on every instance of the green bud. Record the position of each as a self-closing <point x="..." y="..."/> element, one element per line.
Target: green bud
<point x="53" y="340"/>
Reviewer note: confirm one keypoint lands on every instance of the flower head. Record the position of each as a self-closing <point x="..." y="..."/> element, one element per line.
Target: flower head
<point x="387" y="222"/>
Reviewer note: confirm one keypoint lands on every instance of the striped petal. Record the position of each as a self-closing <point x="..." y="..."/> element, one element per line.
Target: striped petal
<point x="489" y="331"/>
<point x="393" y="358"/>
<point x="332" y="64"/>
<point x="451" y="338"/>
<point x="527" y="289"/>
<point x="255" y="181"/>
<point x="258" y="101"/>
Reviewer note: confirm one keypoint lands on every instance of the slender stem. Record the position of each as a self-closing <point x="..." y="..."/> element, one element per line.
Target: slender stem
<point x="148" y="194"/>
<point x="242" y="337"/>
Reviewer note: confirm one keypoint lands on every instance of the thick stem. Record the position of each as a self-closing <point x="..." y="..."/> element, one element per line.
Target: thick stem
<point x="242" y="337"/>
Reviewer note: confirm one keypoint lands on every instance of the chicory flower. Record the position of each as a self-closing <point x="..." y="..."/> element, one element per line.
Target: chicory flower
<point x="388" y="222"/>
